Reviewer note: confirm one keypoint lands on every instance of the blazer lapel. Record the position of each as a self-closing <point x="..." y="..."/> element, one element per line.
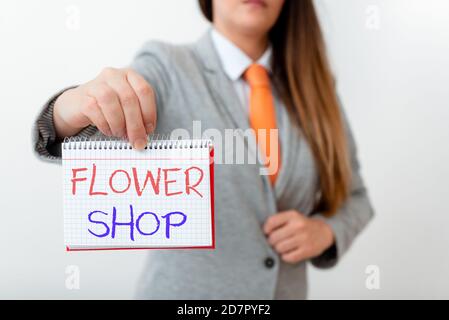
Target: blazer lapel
<point x="228" y="102"/>
<point x="219" y="83"/>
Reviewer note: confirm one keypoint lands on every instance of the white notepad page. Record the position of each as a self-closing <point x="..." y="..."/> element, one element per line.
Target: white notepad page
<point x="107" y="204"/>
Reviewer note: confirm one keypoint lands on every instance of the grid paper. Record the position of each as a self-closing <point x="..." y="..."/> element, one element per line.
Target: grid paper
<point x="197" y="231"/>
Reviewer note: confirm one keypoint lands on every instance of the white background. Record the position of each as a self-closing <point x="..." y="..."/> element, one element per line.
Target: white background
<point x="391" y="61"/>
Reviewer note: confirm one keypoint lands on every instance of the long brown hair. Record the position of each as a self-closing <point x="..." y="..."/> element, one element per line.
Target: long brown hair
<point x="303" y="79"/>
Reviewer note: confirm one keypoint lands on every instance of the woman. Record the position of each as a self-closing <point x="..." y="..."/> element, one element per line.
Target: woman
<point x="261" y="66"/>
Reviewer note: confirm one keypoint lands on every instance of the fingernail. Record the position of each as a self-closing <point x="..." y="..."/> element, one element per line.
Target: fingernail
<point x="150" y="128"/>
<point x="120" y="134"/>
<point x="140" y="144"/>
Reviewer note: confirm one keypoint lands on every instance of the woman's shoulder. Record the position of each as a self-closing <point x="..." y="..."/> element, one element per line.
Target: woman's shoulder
<point x="167" y="53"/>
<point x="165" y="65"/>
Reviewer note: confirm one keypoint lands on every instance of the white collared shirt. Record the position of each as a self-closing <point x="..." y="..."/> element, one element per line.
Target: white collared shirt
<point x="235" y="62"/>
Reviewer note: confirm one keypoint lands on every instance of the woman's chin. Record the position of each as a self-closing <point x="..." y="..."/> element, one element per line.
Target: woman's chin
<point x="253" y="27"/>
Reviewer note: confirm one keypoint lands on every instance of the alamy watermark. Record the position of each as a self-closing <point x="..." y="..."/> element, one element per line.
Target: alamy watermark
<point x="72" y="279"/>
<point x="372" y="281"/>
<point x="238" y="146"/>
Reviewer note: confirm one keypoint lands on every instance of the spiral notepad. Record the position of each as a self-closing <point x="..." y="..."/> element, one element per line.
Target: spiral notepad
<point x="116" y="197"/>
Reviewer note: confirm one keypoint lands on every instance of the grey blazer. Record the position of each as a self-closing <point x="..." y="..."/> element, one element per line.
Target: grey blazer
<point x="190" y="85"/>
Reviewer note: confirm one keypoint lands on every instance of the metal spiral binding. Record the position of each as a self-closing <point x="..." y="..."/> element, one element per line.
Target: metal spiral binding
<point x="155" y="142"/>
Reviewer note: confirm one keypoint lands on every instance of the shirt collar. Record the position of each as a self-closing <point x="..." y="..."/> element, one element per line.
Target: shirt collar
<point x="234" y="60"/>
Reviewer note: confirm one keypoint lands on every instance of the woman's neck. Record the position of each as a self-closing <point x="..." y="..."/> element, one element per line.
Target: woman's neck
<point x="253" y="46"/>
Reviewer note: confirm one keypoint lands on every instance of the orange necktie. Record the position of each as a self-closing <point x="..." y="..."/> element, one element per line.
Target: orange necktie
<point x="262" y="114"/>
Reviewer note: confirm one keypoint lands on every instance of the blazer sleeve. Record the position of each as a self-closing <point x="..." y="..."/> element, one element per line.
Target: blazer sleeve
<point x="45" y="143"/>
<point x="352" y="217"/>
<point x="151" y="62"/>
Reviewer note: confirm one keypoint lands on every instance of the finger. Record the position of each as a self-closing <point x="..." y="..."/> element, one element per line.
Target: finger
<point x="294" y="256"/>
<point x="109" y="104"/>
<point x="135" y="128"/>
<point x="277" y="221"/>
<point x="281" y="234"/>
<point x="147" y="99"/>
<point x="93" y="112"/>
<point x="287" y="245"/>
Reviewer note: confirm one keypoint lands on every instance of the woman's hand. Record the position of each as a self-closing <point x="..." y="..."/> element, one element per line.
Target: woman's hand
<point x="297" y="237"/>
<point x="119" y="102"/>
